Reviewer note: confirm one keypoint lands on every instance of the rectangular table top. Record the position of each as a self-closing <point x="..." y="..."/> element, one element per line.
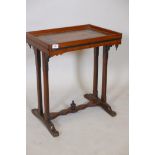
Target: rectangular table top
<point x="61" y="40"/>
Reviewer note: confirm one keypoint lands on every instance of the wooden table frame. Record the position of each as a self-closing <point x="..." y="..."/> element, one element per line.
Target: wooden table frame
<point x="93" y="99"/>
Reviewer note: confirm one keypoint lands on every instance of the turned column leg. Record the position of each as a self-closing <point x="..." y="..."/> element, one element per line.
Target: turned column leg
<point x="92" y="97"/>
<point x="45" y="118"/>
<point x="95" y="79"/>
<point x="38" y="75"/>
<point x="104" y="74"/>
<point x="47" y="121"/>
<point x="45" y="60"/>
<point x="104" y="103"/>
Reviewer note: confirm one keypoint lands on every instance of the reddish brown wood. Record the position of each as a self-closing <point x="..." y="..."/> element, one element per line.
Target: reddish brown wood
<point x="70" y="36"/>
<point x="45" y="60"/>
<point x="49" y="125"/>
<point x="38" y="74"/>
<point x="95" y="79"/>
<point x="71" y="39"/>
<point x="59" y="30"/>
<point x="84" y="46"/>
<point x="100" y="103"/>
<point x="35" y="42"/>
<point x="104" y="73"/>
<point x="101" y="29"/>
<point x="66" y="111"/>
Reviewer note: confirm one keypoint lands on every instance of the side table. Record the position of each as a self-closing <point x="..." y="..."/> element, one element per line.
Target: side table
<point x="52" y="42"/>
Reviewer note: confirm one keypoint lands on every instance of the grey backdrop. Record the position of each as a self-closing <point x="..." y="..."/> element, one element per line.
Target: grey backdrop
<point x="91" y="131"/>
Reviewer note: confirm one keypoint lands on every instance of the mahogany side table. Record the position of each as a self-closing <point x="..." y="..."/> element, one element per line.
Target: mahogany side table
<point x="52" y="42"/>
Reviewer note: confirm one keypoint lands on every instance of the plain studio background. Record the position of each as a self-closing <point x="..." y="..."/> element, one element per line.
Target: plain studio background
<point x="91" y="131"/>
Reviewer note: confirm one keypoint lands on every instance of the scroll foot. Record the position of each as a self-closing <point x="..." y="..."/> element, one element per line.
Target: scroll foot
<point x="100" y="103"/>
<point x="49" y="125"/>
<point x="108" y="109"/>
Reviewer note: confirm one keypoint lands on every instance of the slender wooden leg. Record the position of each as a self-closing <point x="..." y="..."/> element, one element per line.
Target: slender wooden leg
<point x="47" y="122"/>
<point x="104" y="74"/>
<point x="95" y="80"/>
<point x="104" y="104"/>
<point x="94" y="96"/>
<point x="45" y="60"/>
<point x="38" y="74"/>
<point x="44" y="117"/>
